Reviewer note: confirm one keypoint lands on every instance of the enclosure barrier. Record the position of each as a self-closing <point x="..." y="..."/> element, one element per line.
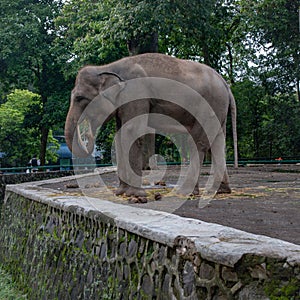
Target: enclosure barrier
<point x="71" y="166"/>
<point x="14" y="178"/>
<point x="60" y="246"/>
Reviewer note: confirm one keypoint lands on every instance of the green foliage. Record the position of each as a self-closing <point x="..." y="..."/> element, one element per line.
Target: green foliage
<point x="26" y="34"/>
<point x="19" y="128"/>
<point x="29" y="59"/>
<point x="274" y="31"/>
<point x="166" y="147"/>
<point x="99" y="32"/>
<point x="268" y="125"/>
<point x="254" y="44"/>
<point x="279" y="291"/>
<point x="8" y="289"/>
<point x="53" y="146"/>
<point x="238" y="38"/>
<point x="17" y="139"/>
<point x="83" y="36"/>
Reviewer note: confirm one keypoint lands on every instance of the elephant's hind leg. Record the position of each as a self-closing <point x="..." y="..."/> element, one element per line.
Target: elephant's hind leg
<point x="224" y="188"/>
<point x="123" y="187"/>
<point x="221" y="178"/>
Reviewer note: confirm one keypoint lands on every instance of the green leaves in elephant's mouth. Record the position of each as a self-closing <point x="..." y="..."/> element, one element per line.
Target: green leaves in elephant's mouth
<point x="85" y="135"/>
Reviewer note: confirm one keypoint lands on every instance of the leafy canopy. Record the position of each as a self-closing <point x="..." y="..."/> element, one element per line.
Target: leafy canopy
<point x="19" y="135"/>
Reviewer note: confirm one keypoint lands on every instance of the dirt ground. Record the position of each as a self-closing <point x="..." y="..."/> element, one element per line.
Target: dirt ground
<point x="264" y="200"/>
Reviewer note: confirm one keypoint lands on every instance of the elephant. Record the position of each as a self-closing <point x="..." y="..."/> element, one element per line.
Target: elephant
<point x="142" y="88"/>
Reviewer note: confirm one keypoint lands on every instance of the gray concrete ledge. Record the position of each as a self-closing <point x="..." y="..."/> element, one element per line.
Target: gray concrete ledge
<point x="220" y="244"/>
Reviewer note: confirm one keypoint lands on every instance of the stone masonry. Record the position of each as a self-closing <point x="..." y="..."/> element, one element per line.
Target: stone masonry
<point x="67" y="247"/>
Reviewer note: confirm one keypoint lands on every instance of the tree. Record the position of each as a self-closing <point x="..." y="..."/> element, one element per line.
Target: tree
<point x="78" y="34"/>
<point x="268" y="79"/>
<point x="273" y="28"/>
<point x="19" y="137"/>
<point x="101" y="32"/>
<point x="280" y="127"/>
<point x="95" y="31"/>
<point x="28" y="59"/>
<point x="251" y="108"/>
<point x="268" y="125"/>
<point x="254" y="44"/>
<point x="18" y="141"/>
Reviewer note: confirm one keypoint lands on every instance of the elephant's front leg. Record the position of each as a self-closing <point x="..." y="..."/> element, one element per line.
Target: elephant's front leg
<point x="129" y="162"/>
<point x="129" y="146"/>
<point x="191" y="185"/>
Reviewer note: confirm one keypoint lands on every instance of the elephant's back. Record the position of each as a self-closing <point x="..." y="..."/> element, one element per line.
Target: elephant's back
<point x="185" y="71"/>
<point x="200" y="77"/>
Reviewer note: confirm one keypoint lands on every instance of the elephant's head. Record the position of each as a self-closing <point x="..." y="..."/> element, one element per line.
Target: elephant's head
<point x="88" y="109"/>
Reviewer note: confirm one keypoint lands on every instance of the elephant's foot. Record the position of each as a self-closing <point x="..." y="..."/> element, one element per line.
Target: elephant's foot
<point x="122" y="189"/>
<point x="196" y="191"/>
<point x="224" y="188"/>
<point x="137" y="192"/>
<point x="127" y="190"/>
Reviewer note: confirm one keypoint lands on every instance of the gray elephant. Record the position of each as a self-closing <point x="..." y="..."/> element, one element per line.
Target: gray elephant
<point x="147" y="92"/>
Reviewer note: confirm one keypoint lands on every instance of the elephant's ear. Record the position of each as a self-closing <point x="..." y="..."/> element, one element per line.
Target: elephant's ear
<point x="113" y="93"/>
<point x="108" y="79"/>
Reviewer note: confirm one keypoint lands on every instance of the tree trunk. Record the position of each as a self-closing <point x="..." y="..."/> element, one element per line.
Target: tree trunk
<point x="43" y="145"/>
<point x="206" y="55"/>
<point x="230" y="56"/>
<point x="143" y="43"/>
<point x="298" y="89"/>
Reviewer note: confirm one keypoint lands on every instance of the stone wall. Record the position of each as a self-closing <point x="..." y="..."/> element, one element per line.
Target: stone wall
<point x="60" y="247"/>
<point x="27" y="177"/>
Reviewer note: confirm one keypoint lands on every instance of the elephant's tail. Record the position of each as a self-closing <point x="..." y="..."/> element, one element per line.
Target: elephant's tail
<point x="234" y="131"/>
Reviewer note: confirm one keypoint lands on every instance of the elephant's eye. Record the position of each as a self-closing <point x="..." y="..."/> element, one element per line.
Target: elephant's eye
<point x="80" y="98"/>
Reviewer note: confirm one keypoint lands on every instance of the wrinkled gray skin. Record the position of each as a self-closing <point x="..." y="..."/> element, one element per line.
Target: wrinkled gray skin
<point x="91" y="81"/>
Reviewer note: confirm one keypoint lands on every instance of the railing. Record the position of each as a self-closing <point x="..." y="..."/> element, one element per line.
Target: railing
<point x="66" y="167"/>
<point x="244" y="162"/>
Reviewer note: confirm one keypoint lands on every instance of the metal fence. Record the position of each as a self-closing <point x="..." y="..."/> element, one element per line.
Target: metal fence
<point x="68" y="166"/>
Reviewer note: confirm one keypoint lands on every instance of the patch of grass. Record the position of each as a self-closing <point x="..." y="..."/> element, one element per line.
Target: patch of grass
<point x="8" y="290"/>
<point x="277" y="290"/>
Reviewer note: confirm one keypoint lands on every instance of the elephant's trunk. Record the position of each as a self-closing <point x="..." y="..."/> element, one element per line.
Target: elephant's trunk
<point x="79" y="137"/>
